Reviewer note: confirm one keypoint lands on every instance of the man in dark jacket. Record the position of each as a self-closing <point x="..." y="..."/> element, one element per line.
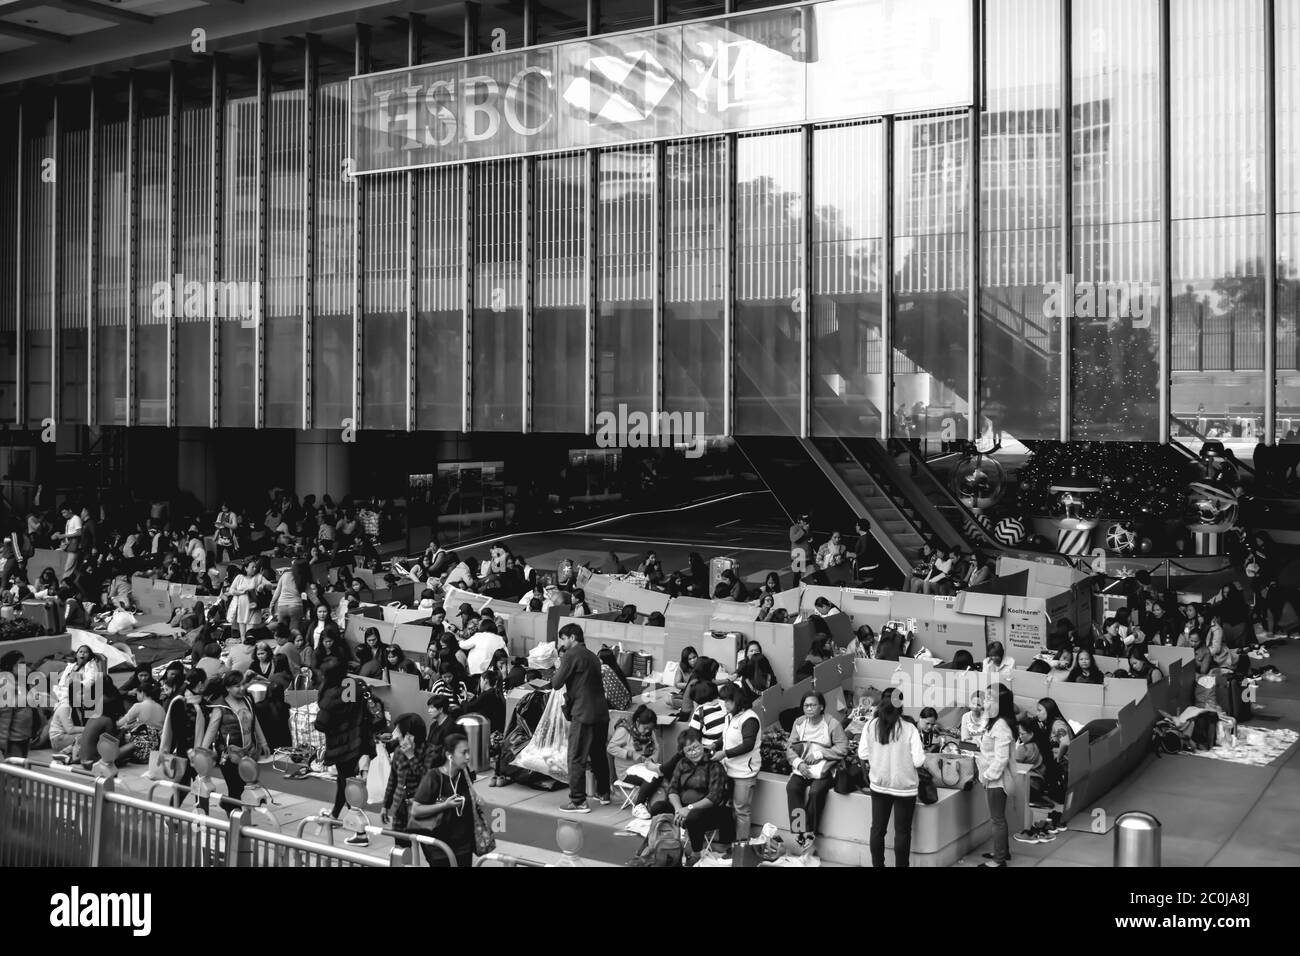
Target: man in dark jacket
<point x="579" y="675"/>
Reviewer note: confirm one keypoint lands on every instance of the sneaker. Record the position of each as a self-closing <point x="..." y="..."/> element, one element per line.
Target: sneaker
<point x="572" y="807"/>
<point x="641" y="812"/>
<point x="988" y="856"/>
<point x="995" y="864"/>
<point x="358" y="839"/>
<point x="1028" y="836"/>
<point x="604" y="799"/>
<point x="1045" y="835"/>
<point x="1054" y="825"/>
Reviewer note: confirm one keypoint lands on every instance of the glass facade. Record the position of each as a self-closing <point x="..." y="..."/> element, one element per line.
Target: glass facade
<point x="757" y="278"/>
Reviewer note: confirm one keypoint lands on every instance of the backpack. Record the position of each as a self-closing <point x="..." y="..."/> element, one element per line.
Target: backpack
<point x="663" y="843"/>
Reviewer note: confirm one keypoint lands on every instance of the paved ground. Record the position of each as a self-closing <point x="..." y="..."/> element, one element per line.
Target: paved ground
<point x="1212" y="813"/>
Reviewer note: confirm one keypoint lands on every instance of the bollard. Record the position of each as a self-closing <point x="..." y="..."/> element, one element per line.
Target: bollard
<point x="1137" y="840"/>
<point x="568" y="837"/>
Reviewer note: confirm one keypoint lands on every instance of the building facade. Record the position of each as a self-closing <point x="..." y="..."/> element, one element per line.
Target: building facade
<point x="1099" y="240"/>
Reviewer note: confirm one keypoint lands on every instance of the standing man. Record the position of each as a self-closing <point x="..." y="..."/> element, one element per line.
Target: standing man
<point x="70" y="536"/>
<point x="579" y="675"/>
<point x="800" y="547"/>
<point x="866" y="553"/>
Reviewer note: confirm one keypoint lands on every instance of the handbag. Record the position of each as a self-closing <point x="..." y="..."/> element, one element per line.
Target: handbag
<point x="926" y="791"/>
<point x="951" y="771"/>
<point x="484" y="840"/>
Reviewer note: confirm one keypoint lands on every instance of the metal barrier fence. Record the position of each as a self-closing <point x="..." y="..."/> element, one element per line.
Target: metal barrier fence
<point x="52" y="816"/>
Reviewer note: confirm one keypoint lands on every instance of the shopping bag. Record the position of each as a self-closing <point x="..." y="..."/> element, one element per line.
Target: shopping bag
<point x="377" y="777"/>
<point x="548" y="751"/>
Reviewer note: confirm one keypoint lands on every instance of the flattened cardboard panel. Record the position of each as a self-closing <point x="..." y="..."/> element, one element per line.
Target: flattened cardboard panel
<point x="867" y="607"/>
<point x="793" y="695"/>
<point x="972" y="602"/>
<point x="825" y="676"/>
<point x="1165" y="654"/>
<point x="1031" y="685"/>
<point x="412" y="638"/>
<point x="789" y="600"/>
<point x="1120" y="692"/>
<point x="771" y="701"/>
<point x="358" y="624"/>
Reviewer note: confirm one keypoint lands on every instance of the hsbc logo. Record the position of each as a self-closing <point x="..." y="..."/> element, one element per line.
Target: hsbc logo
<point x="619" y="88"/>
<point x="469" y="110"/>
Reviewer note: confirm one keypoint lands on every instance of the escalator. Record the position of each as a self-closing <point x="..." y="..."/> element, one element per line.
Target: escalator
<point x="821" y="477"/>
<point x="1016" y="347"/>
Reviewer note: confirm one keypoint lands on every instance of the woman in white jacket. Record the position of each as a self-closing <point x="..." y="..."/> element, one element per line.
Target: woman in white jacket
<point x="995" y="767"/>
<point x="891" y="746"/>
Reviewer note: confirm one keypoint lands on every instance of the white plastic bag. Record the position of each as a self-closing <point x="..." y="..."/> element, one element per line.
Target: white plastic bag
<point x="543" y="657"/>
<point x="548" y="751"/>
<point x="377" y="777"/>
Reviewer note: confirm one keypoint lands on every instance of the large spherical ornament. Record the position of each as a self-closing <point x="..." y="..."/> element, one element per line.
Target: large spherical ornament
<point x="1209" y="507"/>
<point x="979" y="481"/>
<point x="1121" y="538"/>
<point x="1009" y="532"/>
<point x="1145" y="546"/>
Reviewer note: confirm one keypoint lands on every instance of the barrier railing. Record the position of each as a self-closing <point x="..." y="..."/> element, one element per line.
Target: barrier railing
<point x="52" y="816"/>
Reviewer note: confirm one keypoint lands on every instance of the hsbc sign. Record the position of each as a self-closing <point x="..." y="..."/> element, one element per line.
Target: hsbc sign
<point x="801" y="64"/>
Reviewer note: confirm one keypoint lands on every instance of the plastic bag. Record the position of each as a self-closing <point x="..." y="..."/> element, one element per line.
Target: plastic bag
<point x="543" y="657"/>
<point x="548" y="752"/>
<point x="377" y="777"/>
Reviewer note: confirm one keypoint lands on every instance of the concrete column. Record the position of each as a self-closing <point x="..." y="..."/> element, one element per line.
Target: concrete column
<point x="322" y="463"/>
<point x="196" y="466"/>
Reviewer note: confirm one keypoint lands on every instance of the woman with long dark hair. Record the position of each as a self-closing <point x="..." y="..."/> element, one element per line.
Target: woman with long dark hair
<point x="891" y="747"/>
<point x="685" y="667"/>
<point x="995" y="767"/>
<point x="185" y="725"/>
<point x="344" y="719"/>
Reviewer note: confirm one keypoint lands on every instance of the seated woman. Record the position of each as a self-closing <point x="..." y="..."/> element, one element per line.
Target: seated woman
<point x="685" y="668"/>
<point x="269" y="666"/>
<point x="332" y="644"/>
<point x="1085" y="670"/>
<point x="927" y="724"/>
<point x="1032" y="749"/>
<point x="697" y="796"/>
<point x="998" y="667"/>
<point x="1140" y="666"/>
<point x="635" y="739"/>
<point x="372" y="647"/>
<point x="47" y="585"/>
<point x="705" y="671"/>
<point x="816" y="746"/>
<point x="451" y="681"/>
<point x="756" y="675"/>
<point x="863" y="643"/>
<point x="779" y="616"/>
<point x="973" y="722"/>
<point x="751" y="650"/>
<point x="766" y="603"/>
<point x="393" y="661"/>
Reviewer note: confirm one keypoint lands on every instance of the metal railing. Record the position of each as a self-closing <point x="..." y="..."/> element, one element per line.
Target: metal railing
<point x="52" y="816"/>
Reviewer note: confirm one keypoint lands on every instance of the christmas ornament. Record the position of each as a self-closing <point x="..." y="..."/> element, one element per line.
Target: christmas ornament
<point x="1009" y="532"/>
<point x="979" y="481"/>
<point x="1121" y="538"/>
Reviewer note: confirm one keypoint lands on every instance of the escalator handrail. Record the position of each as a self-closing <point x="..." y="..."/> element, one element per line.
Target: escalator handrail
<point x="986" y="539"/>
<point x="935" y="525"/>
<point x="1197" y="434"/>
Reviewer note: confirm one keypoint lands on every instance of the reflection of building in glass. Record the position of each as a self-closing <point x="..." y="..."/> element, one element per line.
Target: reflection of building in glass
<point x="522" y="295"/>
